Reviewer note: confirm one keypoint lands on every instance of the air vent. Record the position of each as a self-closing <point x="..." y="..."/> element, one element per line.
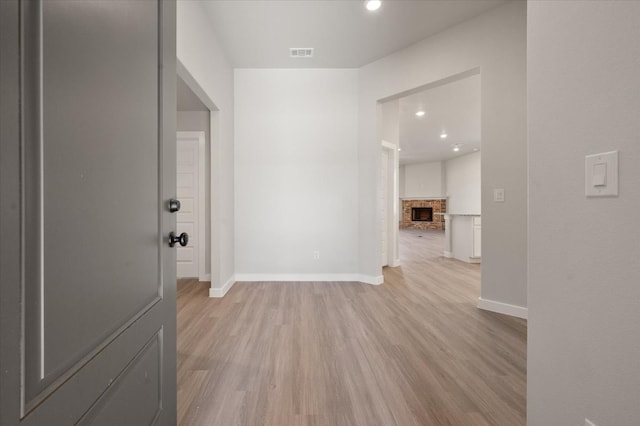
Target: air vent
<point x="301" y="52"/>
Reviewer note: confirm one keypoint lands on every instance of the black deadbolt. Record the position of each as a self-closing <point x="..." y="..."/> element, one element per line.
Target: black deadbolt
<point x="182" y="239"/>
<point x="174" y="205"/>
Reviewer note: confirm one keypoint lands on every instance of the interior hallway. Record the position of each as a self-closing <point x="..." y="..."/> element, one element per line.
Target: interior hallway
<point x="413" y="351"/>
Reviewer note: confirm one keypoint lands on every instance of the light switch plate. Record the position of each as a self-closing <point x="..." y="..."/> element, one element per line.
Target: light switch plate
<point x="601" y="174"/>
<point x="498" y="195"/>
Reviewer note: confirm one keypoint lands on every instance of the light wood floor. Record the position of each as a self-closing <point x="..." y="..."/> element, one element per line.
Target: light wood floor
<point x="412" y="351"/>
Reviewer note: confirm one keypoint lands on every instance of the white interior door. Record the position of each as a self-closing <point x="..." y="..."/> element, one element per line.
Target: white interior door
<point x="384" y="203"/>
<point x="189" y="189"/>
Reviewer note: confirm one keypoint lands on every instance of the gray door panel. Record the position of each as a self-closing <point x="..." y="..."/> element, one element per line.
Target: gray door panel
<point x="142" y="378"/>
<point x="87" y="301"/>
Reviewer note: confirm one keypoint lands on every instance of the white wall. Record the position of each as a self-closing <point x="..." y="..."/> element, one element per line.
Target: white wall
<point x="584" y="274"/>
<point x="495" y="42"/>
<point x="198" y="121"/>
<point x="423" y="180"/>
<point x="463" y="184"/>
<point x="296" y="174"/>
<point x="201" y="54"/>
<point x="458" y="179"/>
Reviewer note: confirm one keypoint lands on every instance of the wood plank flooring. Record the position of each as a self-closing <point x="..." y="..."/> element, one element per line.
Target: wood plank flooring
<point x="412" y="351"/>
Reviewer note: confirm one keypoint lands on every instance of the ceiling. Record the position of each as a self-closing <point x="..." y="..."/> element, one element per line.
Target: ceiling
<point x="453" y="108"/>
<point x="258" y="34"/>
<point x="187" y="100"/>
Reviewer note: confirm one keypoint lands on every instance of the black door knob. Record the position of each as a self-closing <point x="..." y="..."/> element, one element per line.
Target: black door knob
<point x="182" y="239"/>
<point x="174" y="205"/>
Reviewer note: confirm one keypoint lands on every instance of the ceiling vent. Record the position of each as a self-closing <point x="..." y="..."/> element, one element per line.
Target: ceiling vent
<point x="301" y="52"/>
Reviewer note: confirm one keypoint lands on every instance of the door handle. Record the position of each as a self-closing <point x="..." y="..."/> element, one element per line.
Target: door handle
<point x="174" y="205"/>
<point x="182" y="239"/>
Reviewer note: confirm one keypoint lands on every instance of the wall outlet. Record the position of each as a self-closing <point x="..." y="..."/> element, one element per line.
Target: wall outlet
<point x="316" y="254"/>
<point x="498" y="195"/>
<point x="588" y="422"/>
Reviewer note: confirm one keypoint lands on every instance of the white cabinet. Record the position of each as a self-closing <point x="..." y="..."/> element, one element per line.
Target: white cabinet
<point x="463" y="237"/>
<point x="477" y="235"/>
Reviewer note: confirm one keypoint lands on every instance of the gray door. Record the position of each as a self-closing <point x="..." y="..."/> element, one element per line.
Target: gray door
<point x="87" y="166"/>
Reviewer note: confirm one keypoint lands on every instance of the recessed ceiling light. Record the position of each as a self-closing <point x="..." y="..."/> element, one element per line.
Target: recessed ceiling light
<point x="420" y="113"/>
<point x="443" y="135"/>
<point x="456" y="148"/>
<point x="373" y="5"/>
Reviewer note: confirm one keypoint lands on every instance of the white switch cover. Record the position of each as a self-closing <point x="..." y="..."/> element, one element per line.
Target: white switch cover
<point x="498" y="195"/>
<point x="601" y="174"/>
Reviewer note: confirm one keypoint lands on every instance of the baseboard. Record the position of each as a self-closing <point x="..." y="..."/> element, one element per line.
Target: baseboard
<point x="220" y="292"/>
<point x="311" y="278"/>
<point x="395" y="263"/>
<point x="448" y="254"/>
<point x="373" y="280"/>
<point x="205" y="277"/>
<point x="503" y="308"/>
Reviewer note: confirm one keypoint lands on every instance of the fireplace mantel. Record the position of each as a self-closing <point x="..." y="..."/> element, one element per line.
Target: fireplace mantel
<point x="423" y="198"/>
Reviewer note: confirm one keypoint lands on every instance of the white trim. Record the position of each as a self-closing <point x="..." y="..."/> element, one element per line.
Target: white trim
<point x="200" y="136"/>
<point x="202" y="172"/>
<point x="448" y="254"/>
<point x="367" y="279"/>
<point x="389" y="145"/>
<point x="503" y="308"/>
<point x="214" y="199"/>
<point x="425" y="198"/>
<point x="221" y="292"/>
<point x="393" y="207"/>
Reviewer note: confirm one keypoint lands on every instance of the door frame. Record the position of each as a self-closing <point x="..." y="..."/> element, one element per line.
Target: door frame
<point x="219" y="284"/>
<point x="200" y="136"/>
<point x="393" y="258"/>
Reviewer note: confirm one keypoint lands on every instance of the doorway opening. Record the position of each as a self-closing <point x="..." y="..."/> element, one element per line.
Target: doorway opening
<point x="197" y="135"/>
<point x="436" y="130"/>
<point x="193" y="146"/>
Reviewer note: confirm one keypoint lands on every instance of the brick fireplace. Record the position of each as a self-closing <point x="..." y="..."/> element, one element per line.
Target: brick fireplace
<point x="421" y="214"/>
